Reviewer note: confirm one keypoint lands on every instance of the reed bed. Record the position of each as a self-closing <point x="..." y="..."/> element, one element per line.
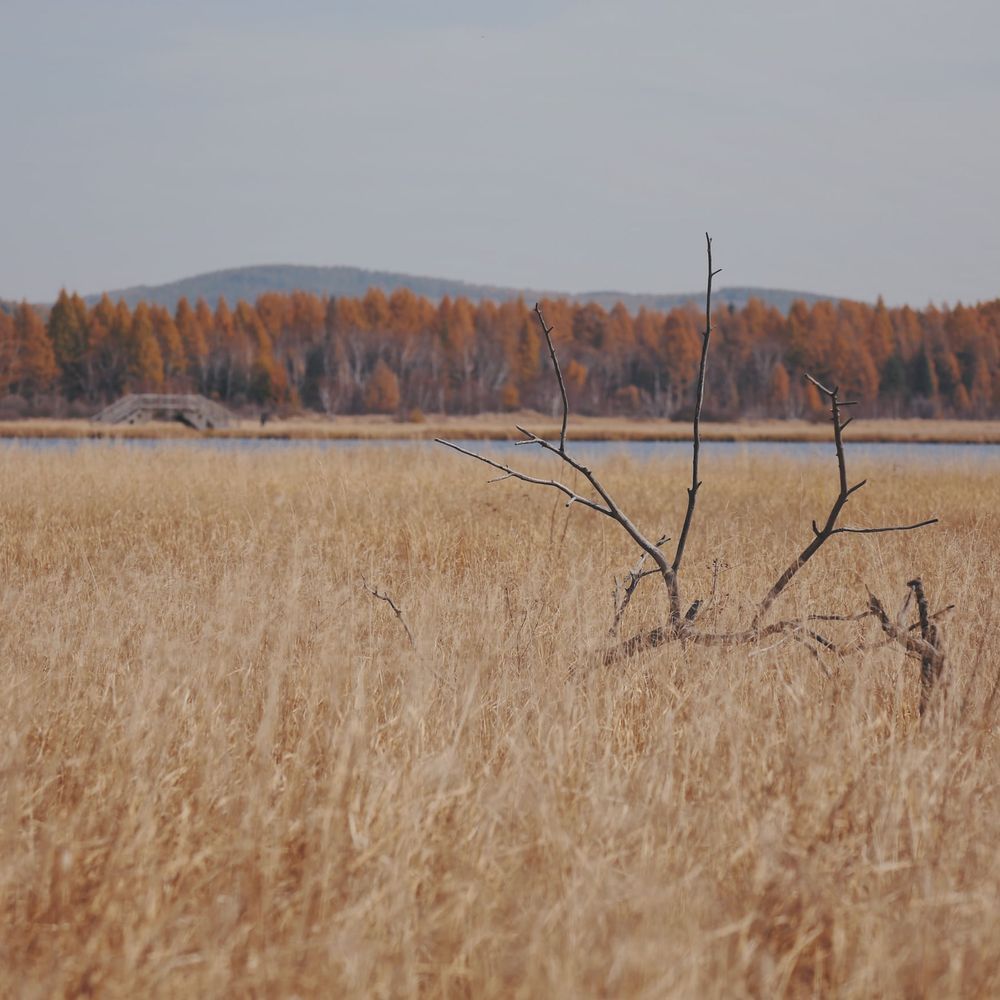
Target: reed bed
<point x="226" y="772"/>
<point x="500" y="426"/>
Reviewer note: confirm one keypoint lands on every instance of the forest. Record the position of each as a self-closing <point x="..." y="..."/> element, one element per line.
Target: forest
<point x="407" y="355"/>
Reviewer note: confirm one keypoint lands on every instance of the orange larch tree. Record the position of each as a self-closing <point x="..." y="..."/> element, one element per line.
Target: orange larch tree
<point x="8" y="352"/>
<point x="145" y="362"/>
<point x="193" y="339"/>
<point x="35" y="369"/>
<point x="168" y="339"/>
<point x="780" y="390"/>
<point x="67" y="331"/>
<point x="382" y="390"/>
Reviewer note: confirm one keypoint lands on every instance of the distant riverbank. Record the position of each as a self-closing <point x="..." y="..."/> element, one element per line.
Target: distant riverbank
<point x="502" y="427"/>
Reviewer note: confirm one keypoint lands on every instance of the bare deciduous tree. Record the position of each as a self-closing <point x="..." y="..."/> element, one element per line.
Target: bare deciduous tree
<point x="920" y="640"/>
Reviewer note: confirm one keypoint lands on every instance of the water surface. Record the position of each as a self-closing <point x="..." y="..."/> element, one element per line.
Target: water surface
<point x="878" y="453"/>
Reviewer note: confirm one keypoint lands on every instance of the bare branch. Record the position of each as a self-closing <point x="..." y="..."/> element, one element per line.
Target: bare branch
<point x="879" y="531"/>
<point x="660" y="635"/>
<point x="509" y="473"/>
<point x="793" y="628"/>
<point x="611" y="508"/>
<point x="829" y="529"/>
<point x="927" y="647"/>
<point x="382" y="596"/>
<point x="941" y="613"/>
<point x="931" y="663"/>
<point x="650" y="548"/>
<point x="860" y="616"/>
<point x="699" y="399"/>
<point x="630" y="588"/>
<point x="635" y="575"/>
<point x="804" y="640"/>
<point x="916" y="587"/>
<point x="903" y="608"/>
<point x="547" y="331"/>
<point x="911" y="644"/>
<point x="819" y="385"/>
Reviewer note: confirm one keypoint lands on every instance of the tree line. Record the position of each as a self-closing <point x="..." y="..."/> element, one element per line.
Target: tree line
<point x="404" y="354"/>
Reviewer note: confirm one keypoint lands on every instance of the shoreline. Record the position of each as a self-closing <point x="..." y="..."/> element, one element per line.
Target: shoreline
<point x="500" y="427"/>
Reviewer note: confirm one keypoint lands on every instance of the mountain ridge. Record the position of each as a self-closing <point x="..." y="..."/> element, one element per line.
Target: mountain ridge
<point x="253" y="280"/>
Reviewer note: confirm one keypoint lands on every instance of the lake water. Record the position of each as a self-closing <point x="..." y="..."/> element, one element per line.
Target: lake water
<point x="886" y="452"/>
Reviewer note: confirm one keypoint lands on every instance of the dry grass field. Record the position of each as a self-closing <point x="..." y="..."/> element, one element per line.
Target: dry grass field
<point x="499" y="426"/>
<point x="226" y="773"/>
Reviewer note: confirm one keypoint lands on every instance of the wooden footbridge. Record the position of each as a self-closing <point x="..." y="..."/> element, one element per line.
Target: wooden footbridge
<point x="195" y="411"/>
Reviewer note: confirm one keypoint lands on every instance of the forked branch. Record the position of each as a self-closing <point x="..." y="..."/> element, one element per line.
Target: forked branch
<point x="927" y="648"/>
<point x="830" y="528"/>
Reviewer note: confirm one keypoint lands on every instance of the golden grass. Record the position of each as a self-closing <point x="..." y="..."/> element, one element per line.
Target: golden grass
<point x="225" y="773"/>
<point x="499" y="426"/>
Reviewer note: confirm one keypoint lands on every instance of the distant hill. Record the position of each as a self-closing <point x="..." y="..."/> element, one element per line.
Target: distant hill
<point x="249" y="282"/>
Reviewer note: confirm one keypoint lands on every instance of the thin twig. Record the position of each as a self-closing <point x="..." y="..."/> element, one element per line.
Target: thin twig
<point x="382" y="596"/>
<point x="547" y="331"/>
<point x="635" y="575"/>
<point x="510" y="473"/>
<point x="879" y="531"/>
<point x="860" y="616"/>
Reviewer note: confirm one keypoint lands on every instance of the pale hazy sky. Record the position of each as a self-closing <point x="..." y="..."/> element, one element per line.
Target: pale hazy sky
<point x="845" y="147"/>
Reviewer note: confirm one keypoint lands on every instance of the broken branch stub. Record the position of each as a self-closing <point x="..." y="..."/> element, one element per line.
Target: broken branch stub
<point x="681" y="626"/>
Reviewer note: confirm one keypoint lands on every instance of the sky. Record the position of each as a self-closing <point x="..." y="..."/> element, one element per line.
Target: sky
<point x="847" y="148"/>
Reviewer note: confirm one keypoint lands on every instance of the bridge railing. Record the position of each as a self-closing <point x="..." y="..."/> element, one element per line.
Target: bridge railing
<point x="193" y="409"/>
